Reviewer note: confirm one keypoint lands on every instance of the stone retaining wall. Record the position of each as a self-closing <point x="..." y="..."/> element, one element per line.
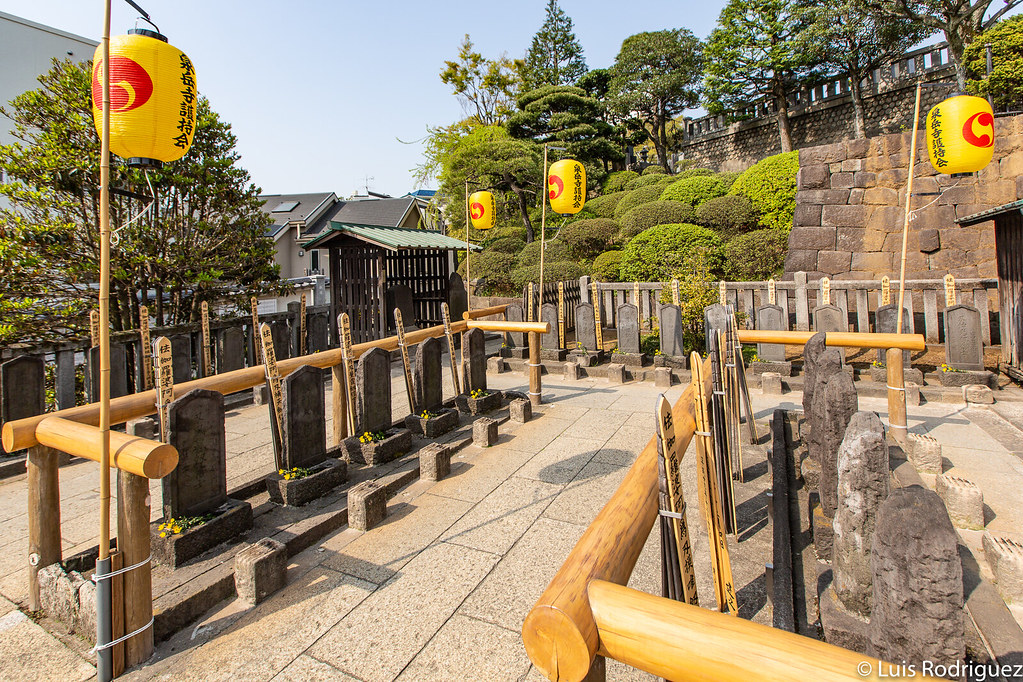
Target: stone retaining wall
<point x="849" y="209"/>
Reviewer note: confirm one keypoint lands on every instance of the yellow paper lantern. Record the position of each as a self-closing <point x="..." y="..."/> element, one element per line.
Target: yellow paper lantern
<point x="482" y="210"/>
<point x="153" y="98"/>
<point x="960" y="134"/>
<point x="566" y="186"/>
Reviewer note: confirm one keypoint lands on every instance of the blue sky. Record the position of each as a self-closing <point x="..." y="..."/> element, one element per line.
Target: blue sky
<point x="320" y="93"/>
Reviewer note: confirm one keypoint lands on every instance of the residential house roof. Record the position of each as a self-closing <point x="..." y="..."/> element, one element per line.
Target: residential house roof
<point x="385" y="212"/>
<point x="390" y="238"/>
<point x="310" y="209"/>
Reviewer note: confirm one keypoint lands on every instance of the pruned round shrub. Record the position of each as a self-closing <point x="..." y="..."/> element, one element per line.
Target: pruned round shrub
<point x="694" y="173"/>
<point x="756" y="255"/>
<point x="653" y="169"/>
<point x="770" y="185"/>
<point x="666" y="180"/>
<point x="606" y="266"/>
<point x="654" y="213"/>
<point x="586" y="238"/>
<point x="695" y="190"/>
<point x="636" y="198"/>
<point x="653" y="254"/>
<point x="505" y="244"/>
<point x="615" y="182"/>
<point x="493" y="271"/>
<point x="604" y="206"/>
<point x="728" y="177"/>
<point x="553" y="271"/>
<point x="555" y="250"/>
<point x="728" y="215"/>
<point x="642" y="181"/>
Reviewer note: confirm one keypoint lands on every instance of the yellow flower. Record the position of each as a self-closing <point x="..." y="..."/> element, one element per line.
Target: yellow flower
<point x="280" y="471"/>
<point x="163" y="534"/>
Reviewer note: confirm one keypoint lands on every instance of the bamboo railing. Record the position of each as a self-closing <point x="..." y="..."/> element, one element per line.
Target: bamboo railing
<point x="585" y="610"/>
<point x="534" y="329"/>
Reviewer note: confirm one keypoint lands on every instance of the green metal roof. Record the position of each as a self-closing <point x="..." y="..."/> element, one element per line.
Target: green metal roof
<point x="990" y="213"/>
<point x="391" y="238"/>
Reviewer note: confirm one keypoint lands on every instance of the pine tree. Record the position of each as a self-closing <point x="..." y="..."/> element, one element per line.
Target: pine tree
<point x="555" y="57"/>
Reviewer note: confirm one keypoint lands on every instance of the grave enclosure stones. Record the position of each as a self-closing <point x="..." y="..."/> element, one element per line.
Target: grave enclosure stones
<point x="181" y="354"/>
<point x="550" y="341"/>
<point x="840" y="404"/>
<point x="475" y="360"/>
<point x="118" y="372"/>
<point x="964" y="346"/>
<point x="585" y="329"/>
<point x="457" y="301"/>
<point x="22" y="388"/>
<point x="305" y="443"/>
<point x="373" y="383"/>
<point x="811" y="356"/>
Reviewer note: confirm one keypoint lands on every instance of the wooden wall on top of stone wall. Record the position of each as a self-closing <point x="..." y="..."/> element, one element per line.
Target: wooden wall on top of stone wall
<point x="849" y="209"/>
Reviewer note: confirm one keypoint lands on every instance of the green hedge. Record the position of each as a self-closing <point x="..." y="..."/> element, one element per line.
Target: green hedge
<point x="587" y="238"/>
<point x="553" y="271"/>
<point x="604" y="206"/>
<point x="653" y="254"/>
<point x="695" y="190"/>
<point x="616" y="181"/>
<point x="756" y="255"/>
<point x="506" y="244"/>
<point x="653" y="169"/>
<point x="728" y="215"/>
<point x="694" y="173"/>
<point x="555" y="250"/>
<point x="654" y="213"/>
<point x="607" y="266"/>
<point x="495" y="268"/>
<point x="770" y="185"/>
<point x="643" y="181"/>
<point x="637" y="197"/>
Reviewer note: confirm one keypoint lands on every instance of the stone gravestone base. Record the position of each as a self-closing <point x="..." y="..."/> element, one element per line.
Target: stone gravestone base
<point x="672" y="361"/>
<point x="587" y="358"/>
<point x="230" y="520"/>
<point x="295" y="492"/>
<point x="842" y="627"/>
<point x="553" y="354"/>
<point x="959" y="378"/>
<point x="433" y="427"/>
<point x="516" y="353"/>
<point x="823" y="529"/>
<point x="628" y="359"/>
<point x="396" y="443"/>
<point x="909" y="375"/>
<point x="466" y="404"/>
<point x="760" y="367"/>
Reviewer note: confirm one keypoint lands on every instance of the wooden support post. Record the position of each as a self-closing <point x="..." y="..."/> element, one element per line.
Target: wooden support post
<point x="133" y="544"/>
<point x="896" y="396"/>
<point x="535" y="397"/>
<point x="340" y="403"/>
<point x="43" y="516"/>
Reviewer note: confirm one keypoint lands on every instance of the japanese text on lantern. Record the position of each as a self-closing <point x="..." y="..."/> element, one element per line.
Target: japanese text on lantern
<point x="187" y="110"/>
<point x="937" y="143"/>
<point x="577" y="188"/>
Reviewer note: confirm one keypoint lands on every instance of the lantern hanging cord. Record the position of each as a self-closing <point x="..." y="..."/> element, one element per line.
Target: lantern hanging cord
<point x="115" y="235"/>
<point x="145" y="15"/>
<point x="912" y="214"/>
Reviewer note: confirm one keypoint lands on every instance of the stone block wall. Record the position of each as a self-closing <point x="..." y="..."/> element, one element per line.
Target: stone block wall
<point x="850" y="209"/>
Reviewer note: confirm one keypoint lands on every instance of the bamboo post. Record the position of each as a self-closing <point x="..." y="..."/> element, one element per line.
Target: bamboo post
<point x="543" y="225"/>
<point x="535" y="391"/>
<point x="43" y="516"/>
<point x="340" y="403"/>
<point x="896" y="396"/>
<point x="133" y="542"/>
<point x="909" y="198"/>
<point x="468" y="287"/>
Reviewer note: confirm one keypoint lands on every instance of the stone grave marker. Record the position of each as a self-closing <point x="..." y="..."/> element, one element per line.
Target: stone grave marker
<point x="585" y="330"/>
<point x="22" y="388"/>
<point x="670" y="317"/>
<point x="917" y="605"/>
<point x="475" y="371"/>
<point x="198" y="485"/>
<point x="830" y="318"/>
<point x="373" y="383"/>
<point x="964" y="346"/>
<point x="305" y="442"/>
<point x="863" y="484"/>
<point x="457" y="302"/>
<point x="230" y="349"/>
<point x="811" y="356"/>
<point x="716" y="318"/>
<point x="840" y="404"/>
<point x="181" y="354"/>
<point x="282" y="339"/>
<point x="771" y="317"/>
<point x="549" y="314"/>
<point x="400" y="296"/>
<point x="885" y="321"/>
<point x="118" y="372"/>
<point x="428" y="375"/>
<point x="316" y="339"/>
<point x="829" y="363"/>
<point x="628" y="329"/>
<point x="514" y="314"/>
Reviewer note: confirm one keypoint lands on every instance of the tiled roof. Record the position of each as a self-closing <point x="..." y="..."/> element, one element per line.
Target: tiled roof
<point x="392" y="238"/>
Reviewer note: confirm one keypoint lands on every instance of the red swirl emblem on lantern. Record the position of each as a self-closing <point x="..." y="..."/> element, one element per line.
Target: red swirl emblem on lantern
<point x="960" y="134"/>
<point x="482" y="210"/>
<point x="566" y="183"/>
<point x="130" y="84"/>
<point x="556" y="185"/>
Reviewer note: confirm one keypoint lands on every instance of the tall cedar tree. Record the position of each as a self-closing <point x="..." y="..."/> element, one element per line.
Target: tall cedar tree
<point x="555" y="57"/>
<point x="656" y="77"/>
<point x="859" y="41"/>
<point x="759" y="49"/>
<point x="484" y="87"/>
<point x="960" y="20"/>
<point x="205" y="237"/>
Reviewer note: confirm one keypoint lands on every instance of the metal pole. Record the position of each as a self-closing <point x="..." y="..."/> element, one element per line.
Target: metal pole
<point x="987" y="59"/>
<point x="909" y="198"/>
<point x="104" y="655"/>
<point x="543" y="227"/>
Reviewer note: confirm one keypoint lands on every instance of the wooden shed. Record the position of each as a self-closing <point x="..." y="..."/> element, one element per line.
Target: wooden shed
<point x="365" y="260"/>
<point x="1008" y="221"/>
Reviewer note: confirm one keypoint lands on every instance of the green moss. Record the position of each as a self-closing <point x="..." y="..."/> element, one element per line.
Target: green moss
<point x="770" y="186"/>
